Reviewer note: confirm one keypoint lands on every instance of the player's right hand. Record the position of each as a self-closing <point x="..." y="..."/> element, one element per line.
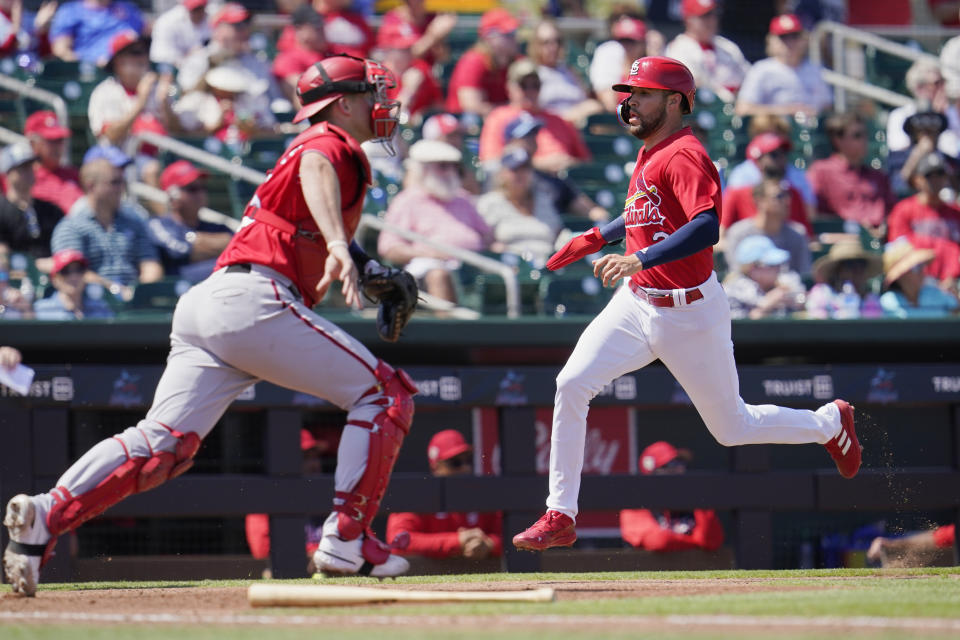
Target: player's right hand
<point x="340" y="266"/>
<point x="578" y="247"/>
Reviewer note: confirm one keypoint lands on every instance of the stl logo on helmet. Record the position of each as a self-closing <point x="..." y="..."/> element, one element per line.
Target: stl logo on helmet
<point x="635" y="67"/>
<point x="642" y="208"/>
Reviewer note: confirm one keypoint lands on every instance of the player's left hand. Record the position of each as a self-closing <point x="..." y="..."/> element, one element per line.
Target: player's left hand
<point x="340" y="266"/>
<point x="612" y="267"/>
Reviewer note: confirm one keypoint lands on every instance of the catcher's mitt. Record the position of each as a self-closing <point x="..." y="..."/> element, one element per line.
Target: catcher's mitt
<point x="396" y="292"/>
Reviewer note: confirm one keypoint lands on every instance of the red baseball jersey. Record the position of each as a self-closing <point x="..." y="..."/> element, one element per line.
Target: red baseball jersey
<point x="260" y="242"/>
<point x="671" y="183"/>
<point x="435" y="534"/>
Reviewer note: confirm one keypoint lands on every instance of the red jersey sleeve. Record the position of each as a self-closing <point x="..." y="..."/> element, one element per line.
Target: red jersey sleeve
<point x="898" y="223"/>
<point x="945" y="536"/>
<point x="422" y="543"/>
<point x="258" y="534"/>
<point x="694" y="181"/>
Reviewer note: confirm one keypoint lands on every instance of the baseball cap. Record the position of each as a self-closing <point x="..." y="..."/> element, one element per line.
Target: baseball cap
<point x="396" y="35"/>
<point x="627" y="28"/>
<point x="126" y="39"/>
<point x="434" y="151"/>
<point x="439" y="125"/>
<point x="15" y="155"/>
<point x="520" y="69"/>
<point x="116" y="157"/>
<point x="180" y="174"/>
<point x="67" y="256"/>
<point x="445" y="445"/>
<point x="194" y="4"/>
<point x="764" y="143"/>
<point x="514" y="158"/>
<point x="930" y="163"/>
<point x="522" y="126"/>
<point x="231" y="13"/>
<point x="693" y="8"/>
<point x="45" y="125"/>
<point x="659" y="454"/>
<point x="497" y="20"/>
<point x="760" y="248"/>
<point x="787" y="23"/>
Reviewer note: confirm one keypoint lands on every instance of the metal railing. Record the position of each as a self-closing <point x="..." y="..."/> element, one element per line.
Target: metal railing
<point x="841" y="34"/>
<point x="57" y="103"/>
<point x="469" y="257"/>
<point x="200" y="156"/>
<point x="146" y="192"/>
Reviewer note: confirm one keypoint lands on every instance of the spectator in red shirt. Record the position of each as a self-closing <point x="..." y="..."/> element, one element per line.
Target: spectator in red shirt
<point x="54" y="181"/>
<point x="559" y="144"/>
<point x="669" y="530"/>
<point x="927" y="221"/>
<point x="449" y="534"/>
<point x="769" y="152"/>
<point x="430" y="29"/>
<point x="479" y="80"/>
<point x="345" y="31"/>
<point x="416" y="90"/>
<point x="845" y="186"/>
<point x="912" y="550"/>
<point x="309" y="46"/>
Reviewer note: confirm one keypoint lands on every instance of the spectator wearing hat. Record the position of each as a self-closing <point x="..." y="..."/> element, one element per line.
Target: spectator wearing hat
<point x="566" y="195"/>
<point x="772" y="200"/>
<point x="416" y="89"/>
<point x="72" y="299"/>
<point x="561" y="90"/>
<point x="84" y="29"/>
<point x="842" y="283"/>
<point x="229" y="46"/>
<point x="910" y="293"/>
<point x="430" y="29"/>
<point x="524" y="220"/>
<point x="53" y="180"/>
<point x="479" y="79"/>
<point x="928" y="133"/>
<point x="927" y="221"/>
<point x="559" y="144"/>
<point x="748" y="172"/>
<point x="26" y="223"/>
<point x="787" y="82"/>
<point x="179" y="31"/>
<point x="226" y="108"/>
<point x="257" y="525"/>
<point x="133" y="98"/>
<point x="188" y="246"/>
<point x="110" y="235"/>
<point x="23" y="31"/>
<point x="846" y="187"/>
<point x="668" y="530"/>
<point x="433" y="204"/>
<point x="717" y="64"/>
<point x="309" y="47"/>
<point x="345" y="31"/>
<point x="449" y="534"/>
<point x="446" y="127"/>
<point x="768" y="152"/>
<point x="612" y="59"/>
<point x="762" y="286"/>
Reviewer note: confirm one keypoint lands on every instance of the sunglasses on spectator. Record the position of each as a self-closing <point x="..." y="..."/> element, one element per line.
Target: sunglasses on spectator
<point x="856" y="134"/>
<point x="791" y="37"/>
<point x="115" y="182"/>
<point x="530" y="85"/>
<point x="194" y="188"/>
<point x="72" y="269"/>
<point x="458" y="462"/>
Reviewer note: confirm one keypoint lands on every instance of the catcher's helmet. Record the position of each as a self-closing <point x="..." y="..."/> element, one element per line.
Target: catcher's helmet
<point x="658" y="72"/>
<point x="333" y="77"/>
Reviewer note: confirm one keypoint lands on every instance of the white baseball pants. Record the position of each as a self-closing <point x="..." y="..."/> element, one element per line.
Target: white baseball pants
<point x="693" y="341"/>
<point x="229" y="332"/>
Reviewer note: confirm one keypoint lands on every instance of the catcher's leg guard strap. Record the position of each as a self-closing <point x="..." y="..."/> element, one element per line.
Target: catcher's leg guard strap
<point x="394" y="397"/>
<point x="136" y="474"/>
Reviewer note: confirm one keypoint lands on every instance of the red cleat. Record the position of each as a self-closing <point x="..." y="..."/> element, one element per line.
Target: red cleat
<point x="845" y="449"/>
<point x="554" y="529"/>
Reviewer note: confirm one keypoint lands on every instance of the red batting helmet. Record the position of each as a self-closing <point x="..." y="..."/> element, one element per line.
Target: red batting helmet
<point x="658" y="72"/>
<point x="332" y="78"/>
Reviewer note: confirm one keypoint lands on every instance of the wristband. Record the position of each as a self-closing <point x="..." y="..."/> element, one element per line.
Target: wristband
<point x="336" y="243"/>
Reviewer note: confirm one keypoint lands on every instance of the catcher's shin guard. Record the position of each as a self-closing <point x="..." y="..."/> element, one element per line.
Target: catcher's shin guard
<point x="394" y="394"/>
<point x="136" y="474"/>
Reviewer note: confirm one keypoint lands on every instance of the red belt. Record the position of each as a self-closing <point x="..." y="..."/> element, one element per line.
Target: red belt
<point x="665" y="299"/>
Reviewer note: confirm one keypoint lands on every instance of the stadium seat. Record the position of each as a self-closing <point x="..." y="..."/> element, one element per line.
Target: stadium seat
<point x="157" y="296"/>
<point x="574" y="295"/>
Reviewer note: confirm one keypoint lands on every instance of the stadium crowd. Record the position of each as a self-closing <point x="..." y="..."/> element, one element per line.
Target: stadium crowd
<point x="510" y="145"/>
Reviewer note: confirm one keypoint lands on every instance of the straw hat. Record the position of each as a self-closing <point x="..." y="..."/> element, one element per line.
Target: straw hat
<point x="900" y="256"/>
<point x="825" y="266"/>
